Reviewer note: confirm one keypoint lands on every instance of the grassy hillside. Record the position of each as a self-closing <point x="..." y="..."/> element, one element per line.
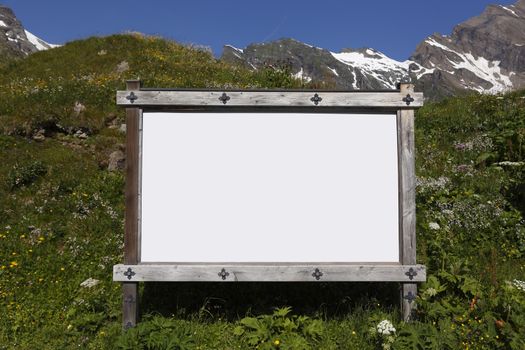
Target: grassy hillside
<point x="61" y="222"/>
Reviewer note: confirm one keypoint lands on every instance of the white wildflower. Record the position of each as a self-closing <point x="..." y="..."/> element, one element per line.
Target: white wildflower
<point x="90" y="282"/>
<point x="385" y="327"/>
<point x="434" y="226"/>
<point x="519" y="285"/>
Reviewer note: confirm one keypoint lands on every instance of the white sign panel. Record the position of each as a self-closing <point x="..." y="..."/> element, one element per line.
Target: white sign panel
<point x="269" y="187"/>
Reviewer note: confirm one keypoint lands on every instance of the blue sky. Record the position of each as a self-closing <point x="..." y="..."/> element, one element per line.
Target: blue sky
<point x="392" y="26"/>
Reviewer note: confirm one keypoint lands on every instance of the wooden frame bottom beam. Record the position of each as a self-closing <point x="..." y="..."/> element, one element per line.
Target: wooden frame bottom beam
<point x="268" y="273"/>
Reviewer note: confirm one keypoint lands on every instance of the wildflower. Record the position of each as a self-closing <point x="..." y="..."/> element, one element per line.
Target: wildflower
<point x="385" y="327"/>
<point x="276" y="342"/>
<point x="434" y="226"/>
<point x="13" y="264"/>
<point x="62" y="269"/>
<point x="519" y="285"/>
<point x="353" y="333"/>
<point x="69" y="327"/>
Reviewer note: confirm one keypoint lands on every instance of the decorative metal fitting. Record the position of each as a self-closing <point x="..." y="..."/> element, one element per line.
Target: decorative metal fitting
<point x="129" y="299"/>
<point x="129" y="273"/>
<point x="408" y="99"/>
<point x="132" y="97"/>
<point x="224" y="98"/>
<point x="411" y="273"/>
<point x="316" y="99"/>
<point x="223" y="274"/>
<point x="317" y="274"/>
<point x="410" y="297"/>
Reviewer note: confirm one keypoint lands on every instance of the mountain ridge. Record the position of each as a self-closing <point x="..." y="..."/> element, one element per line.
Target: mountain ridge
<point x="482" y="54"/>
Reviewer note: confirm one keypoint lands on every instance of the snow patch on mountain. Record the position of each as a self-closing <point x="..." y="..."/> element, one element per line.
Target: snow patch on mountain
<point x="235" y="48"/>
<point x="2" y="23"/>
<point x="481" y="67"/>
<point x="39" y="43"/>
<point x="510" y="10"/>
<point x="301" y="75"/>
<point x="334" y="71"/>
<point x="486" y="70"/>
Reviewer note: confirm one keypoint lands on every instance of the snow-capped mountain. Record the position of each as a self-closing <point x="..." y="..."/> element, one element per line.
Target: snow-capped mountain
<point x="15" y="41"/>
<point x="485" y="54"/>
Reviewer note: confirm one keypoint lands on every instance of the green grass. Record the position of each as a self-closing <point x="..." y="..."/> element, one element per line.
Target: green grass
<point x="61" y="222"/>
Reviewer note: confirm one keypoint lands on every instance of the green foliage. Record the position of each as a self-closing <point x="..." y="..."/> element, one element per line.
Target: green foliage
<point x="279" y="330"/>
<point x="22" y="175"/>
<point x="157" y="333"/>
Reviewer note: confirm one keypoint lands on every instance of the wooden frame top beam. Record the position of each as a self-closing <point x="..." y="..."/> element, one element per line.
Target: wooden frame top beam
<point x="270" y="98"/>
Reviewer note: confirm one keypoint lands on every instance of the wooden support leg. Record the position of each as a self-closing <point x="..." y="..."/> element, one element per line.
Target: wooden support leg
<point x="130" y="308"/>
<point x="408" y="302"/>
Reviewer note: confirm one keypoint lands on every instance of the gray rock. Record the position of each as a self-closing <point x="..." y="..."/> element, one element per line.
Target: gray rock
<point x="117" y="161"/>
<point x="40" y="135"/>
<point x="81" y="135"/>
<point x="78" y="109"/>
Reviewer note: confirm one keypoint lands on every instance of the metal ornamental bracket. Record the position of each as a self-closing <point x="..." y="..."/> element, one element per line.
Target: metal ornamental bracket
<point x="132" y="97"/>
<point x="317" y="274"/>
<point x="224" y="98"/>
<point x="316" y="99"/>
<point x="408" y="99"/>
<point x="223" y="274"/>
<point x="411" y="273"/>
<point x="410" y="297"/>
<point x="129" y="273"/>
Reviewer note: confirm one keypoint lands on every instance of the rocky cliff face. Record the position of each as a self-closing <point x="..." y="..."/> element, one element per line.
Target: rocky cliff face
<point x="15" y="41"/>
<point x="485" y="54"/>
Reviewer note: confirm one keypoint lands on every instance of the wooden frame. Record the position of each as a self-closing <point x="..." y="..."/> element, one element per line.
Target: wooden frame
<point x="401" y="102"/>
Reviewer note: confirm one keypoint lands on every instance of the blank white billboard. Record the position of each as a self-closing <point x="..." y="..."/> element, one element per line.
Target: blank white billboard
<point x="269" y="187"/>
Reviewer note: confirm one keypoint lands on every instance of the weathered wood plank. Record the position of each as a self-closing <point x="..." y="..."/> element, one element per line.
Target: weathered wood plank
<point x="268" y="273"/>
<point x="130" y="309"/>
<point x="407" y="187"/>
<point x="132" y="180"/>
<point x="131" y="243"/>
<point x="408" y="300"/>
<point x="269" y="98"/>
<point x="407" y="195"/>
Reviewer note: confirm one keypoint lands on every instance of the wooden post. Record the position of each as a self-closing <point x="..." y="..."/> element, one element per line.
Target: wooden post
<point x="407" y="191"/>
<point x="131" y="245"/>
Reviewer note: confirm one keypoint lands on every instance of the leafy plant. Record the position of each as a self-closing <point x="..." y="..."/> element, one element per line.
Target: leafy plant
<point x="23" y="175"/>
<point x="280" y="330"/>
<point x="157" y="333"/>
